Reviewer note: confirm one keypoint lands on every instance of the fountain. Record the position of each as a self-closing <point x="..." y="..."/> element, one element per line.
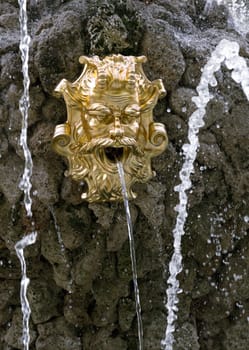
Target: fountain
<point x="98" y="305"/>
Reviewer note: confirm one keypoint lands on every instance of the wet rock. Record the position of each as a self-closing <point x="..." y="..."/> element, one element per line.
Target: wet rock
<point x="75" y="309"/>
<point x="71" y="191"/>
<point x="57" y="334"/>
<point x="159" y="38"/>
<point x="51" y="248"/>
<point x="181" y="102"/>
<point x="118" y="235"/>
<point x="58" y="50"/>
<point x="154" y="326"/>
<point x="126" y="313"/>
<point x="89" y="265"/>
<point x="13" y="335"/>
<point x="9" y="293"/>
<point x="10" y="175"/>
<point x="37" y="97"/>
<point x="62" y="274"/>
<point x="43" y="298"/>
<point x="40" y="141"/>
<point x="44" y="183"/>
<point x="11" y="68"/>
<point x="3" y="145"/>
<point x="114" y="28"/>
<point x="237" y="336"/>
<point x="53" y="110"/>
<point x="187" y="338"/>
<point x="73" y="225"/>
<point x="153" y="208"/>
<point x="104" y="339"/>
<point x="104" y="213"/>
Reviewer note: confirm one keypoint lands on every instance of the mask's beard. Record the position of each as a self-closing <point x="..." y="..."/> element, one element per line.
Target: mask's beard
<point x="95" y="144"/>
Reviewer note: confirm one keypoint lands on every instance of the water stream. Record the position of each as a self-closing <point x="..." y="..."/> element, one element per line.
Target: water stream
<point x="25" y="183"/>
<point x="226" y="52"/>
<point x="26" y="311"/>
<point x="62" y="247"/>
<point x="132" y="253"/>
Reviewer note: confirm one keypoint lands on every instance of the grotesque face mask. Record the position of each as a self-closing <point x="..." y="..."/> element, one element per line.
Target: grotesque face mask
<point x="109" y="120"/>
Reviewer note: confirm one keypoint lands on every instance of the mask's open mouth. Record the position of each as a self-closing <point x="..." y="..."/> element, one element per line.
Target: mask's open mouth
<point x="114" y="154"/>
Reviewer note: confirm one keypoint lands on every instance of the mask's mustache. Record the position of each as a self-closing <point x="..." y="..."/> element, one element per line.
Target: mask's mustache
<point x="107" y="142"/>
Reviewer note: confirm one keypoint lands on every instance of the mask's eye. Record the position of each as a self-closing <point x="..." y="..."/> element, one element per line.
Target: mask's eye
<point x="132" y="111"/>
<point x="99" y="112"/>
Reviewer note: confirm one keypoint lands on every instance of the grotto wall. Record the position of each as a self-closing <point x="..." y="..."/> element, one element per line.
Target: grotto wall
<point x="81" y="292"/>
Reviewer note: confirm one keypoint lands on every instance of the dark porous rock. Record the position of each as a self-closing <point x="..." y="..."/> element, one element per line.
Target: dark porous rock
<point x="43" y="298"/>
<point x="159" y="38"/>
<point x="11" y="69"/>
<point x="74" y="312"/>
<point x="74" y="227"/>
<point x="181" y="102"/>
<point x="153" y="208"/>
<point x="88" y="264"/>
<point x="237" y="336"/>
<point x="10" y="174"/>
<point x="186" y="337"/>
<point x="57" y="334"/>
<point x="40" y="141"/>
<point x="126" y="313"/>
<point x="58" y="50"/>
<point x="118" y="235"/>
<point x="154" y="327"/>
<point x="103" y="339"/>
<point x="104" y="213"/>
<point x="45" y="185"/>
<point x="114" y="27"/>
<point x="9" y="294"/>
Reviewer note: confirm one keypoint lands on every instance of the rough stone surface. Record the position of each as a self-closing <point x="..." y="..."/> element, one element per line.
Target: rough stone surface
<point x="81" y="291"/>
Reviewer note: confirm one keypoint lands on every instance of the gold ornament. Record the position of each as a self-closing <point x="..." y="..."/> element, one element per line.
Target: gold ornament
<point x="109" y="119"/>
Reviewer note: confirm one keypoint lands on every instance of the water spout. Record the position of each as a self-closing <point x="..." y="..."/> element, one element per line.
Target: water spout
<point x="132" y="253"/>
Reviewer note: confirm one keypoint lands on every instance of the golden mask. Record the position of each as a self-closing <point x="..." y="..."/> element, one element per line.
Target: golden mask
<point x="109" y="119"/>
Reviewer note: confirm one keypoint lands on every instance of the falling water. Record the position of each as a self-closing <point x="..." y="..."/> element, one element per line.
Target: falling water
<point x="132" y="253"/>
<point x="58" y="231"/>
<point x="25" y="183"/>
<point x="226" y="52"/>
<point x="62" y="247"/>
<point x="26" y="311"/>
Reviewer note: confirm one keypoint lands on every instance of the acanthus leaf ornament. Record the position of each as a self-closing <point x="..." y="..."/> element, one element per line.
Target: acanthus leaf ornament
<point x="109" y="118"/>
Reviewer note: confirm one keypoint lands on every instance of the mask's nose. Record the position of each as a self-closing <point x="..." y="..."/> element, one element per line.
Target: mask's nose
<point x="117" y="130"/>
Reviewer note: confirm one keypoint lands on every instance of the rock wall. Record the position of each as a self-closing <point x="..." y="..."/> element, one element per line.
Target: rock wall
<point x="81" y="291"/>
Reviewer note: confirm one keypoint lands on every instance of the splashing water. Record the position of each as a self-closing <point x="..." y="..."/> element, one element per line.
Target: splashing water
<point x="239" y="12"/>
<point x="132" y="253"/>
<point x="25" y="183"/>
<point x="226" y="52"/>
